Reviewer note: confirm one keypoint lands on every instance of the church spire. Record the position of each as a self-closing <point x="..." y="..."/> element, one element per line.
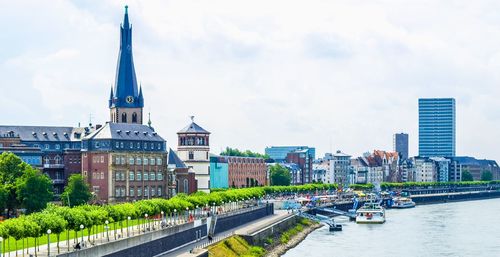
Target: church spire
<point x="126" y="93"/>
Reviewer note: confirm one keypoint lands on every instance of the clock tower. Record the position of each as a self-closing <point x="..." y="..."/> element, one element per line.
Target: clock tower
<point x="126" y="102"/>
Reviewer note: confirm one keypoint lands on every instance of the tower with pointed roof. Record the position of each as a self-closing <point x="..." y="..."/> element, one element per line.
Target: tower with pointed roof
<point x="193" y="148"/>
<point x="126" y="102"/>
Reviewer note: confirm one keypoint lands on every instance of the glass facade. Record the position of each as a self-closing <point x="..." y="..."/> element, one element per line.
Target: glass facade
<point x="436" y="127"/>
<point x="278" y="153"/>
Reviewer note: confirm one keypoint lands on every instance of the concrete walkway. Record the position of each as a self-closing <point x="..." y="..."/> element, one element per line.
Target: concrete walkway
<point x="241" y="230"/>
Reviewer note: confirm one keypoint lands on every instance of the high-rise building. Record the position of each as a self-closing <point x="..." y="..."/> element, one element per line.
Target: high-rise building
<point x="436" y="127"/>
<point x="400" y="143"/>
<point x="279" y="153"/>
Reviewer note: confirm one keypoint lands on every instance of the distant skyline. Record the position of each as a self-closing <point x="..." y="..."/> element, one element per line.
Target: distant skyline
<point x="333" y="75"/>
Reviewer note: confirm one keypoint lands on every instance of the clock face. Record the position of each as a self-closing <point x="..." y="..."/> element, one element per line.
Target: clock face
<point x="130" y="99"/>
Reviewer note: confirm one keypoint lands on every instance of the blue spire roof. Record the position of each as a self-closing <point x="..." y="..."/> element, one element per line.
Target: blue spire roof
<point x="126" y="93"/>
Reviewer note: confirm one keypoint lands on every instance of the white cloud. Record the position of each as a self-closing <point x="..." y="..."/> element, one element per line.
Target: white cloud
<point x="331" y="74"/>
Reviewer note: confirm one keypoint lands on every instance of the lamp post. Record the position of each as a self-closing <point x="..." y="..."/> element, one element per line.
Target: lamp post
<point x="175" y="214"/>
<point x="187" y="214"/>
<point x="48" y="241"/>
<point x="206" y="208"/>
<point x="195" y="211"/>
<point x="107" y="227"/>
<point x="162" y="219"/>
<point x="128" y="229"/>
<point x="81" y="227"/>
<point x="145" y="221"/>
<point x="1" y="241"/>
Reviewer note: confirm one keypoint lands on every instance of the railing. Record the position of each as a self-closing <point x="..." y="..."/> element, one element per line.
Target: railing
<point x="53" y="166"/>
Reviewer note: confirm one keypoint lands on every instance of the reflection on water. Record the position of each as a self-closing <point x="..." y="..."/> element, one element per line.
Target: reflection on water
<point x="452" y="229"/>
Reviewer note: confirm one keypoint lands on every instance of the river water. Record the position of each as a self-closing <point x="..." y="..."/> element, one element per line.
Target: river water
<point x="452" y="229"/>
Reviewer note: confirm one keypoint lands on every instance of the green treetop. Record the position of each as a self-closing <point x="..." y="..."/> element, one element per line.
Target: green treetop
<point x="77" y="191"/>
<point x="280" y="176"/>
<point x="247" y="153"/>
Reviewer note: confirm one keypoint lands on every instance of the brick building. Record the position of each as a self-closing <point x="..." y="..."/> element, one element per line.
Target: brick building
<point x="237" y="172"/>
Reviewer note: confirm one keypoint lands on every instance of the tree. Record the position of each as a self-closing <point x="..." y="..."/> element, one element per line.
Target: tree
<point x="486" y="175"/>
<point x="235" y="152"/>
<point x="11" y="168"/>
<point x="466" y="176"/>
<point x="77" y="191"/>
<point x="34" y="190"/>
<point x="280" y="176"/>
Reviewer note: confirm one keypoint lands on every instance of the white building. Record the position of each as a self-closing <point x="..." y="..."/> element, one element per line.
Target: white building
<point x="193" y="147"/>
<point x="424" y="169"/>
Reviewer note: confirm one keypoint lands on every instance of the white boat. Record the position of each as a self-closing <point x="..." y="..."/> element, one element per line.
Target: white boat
<point x="402" y="202"/>
<point x="370" y="213"/>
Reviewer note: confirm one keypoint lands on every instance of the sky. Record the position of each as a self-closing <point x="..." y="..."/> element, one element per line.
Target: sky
<point x="335" y="75"/>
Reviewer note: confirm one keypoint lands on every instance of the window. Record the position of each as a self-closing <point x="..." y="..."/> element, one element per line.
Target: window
<point x="117" y="175"/>
<point x="47" y="146"/>
<point x="131" y="145"/>
<point x="152" y="146"/>
<point x="139" y="191"/>
<point x="145" y="161"/>
<point x="58" y="146"/>
<point x="152" y="176"/>
<point x="121" y="144"/>
<point x="46" y="160"/>
<point x="131" y="191"/>
<point x="152" y="161"/>
<point x="138" y="161"/>
<point x="191" y="155"/>
<point x="57" y="159"/>
<point x="186" y="186"/>
<point x="66" y="146"/>
<point x="134" y="117"/>
<point x="159" y="146"/>
<point x="146" y="178"/>
<point x="102" y="159"/>
<point x="139" y="176"/>
<point x="36" y="145"/>
<point x="138" y="145"/>
<point x="158" y="161"/>
<point x="122" y="175"/>
<point x="146" y="191"/>
<point x="117" y="160"/>
<point x="159" y="191"/>
<point x="145" y="145"/>
<point x="131" y="176"/>
<point x="122" y="191"/>
<point x="131" y="161"/>
<point x="160" y="175"/>
<point x="117" y="144"/>
<point x="117" y="192"/>
<point x="153" y="191"/>
<point x="102" y="175"/>
<point x="124" y="117"/>
<point x="122" y="160"/>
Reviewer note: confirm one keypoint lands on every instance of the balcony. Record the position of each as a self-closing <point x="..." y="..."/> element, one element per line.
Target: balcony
<point x="53" y="166"/>
<point x="58" y="181"/>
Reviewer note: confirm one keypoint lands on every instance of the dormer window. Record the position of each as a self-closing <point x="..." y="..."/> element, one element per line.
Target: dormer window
<point x="34" y="134"/>
<point x="118" y="131"/>
<point x="44" y="134"/>
<point x="55" y="134"/>
<point x="154" y="133"/>
<point x="127" y="132"/>
<point x="136" y="132"/>
<point x="66" y="135"/>
<point x="145" y="133"/>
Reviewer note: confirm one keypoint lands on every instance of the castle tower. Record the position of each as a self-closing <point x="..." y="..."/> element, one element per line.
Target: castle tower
<point x="126" y="101"/>
<point x="193" y="148"/>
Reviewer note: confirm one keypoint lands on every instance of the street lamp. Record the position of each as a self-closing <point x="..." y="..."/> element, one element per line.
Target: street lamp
<point x="187" y="214"/>
<point x="206" y="208"/>
<point x="175" y="214"/>
<point x="81" y="227"/>
<point x="146" y="217"/>
<point x="48" y="240"/>
<point x="128" y="233"/>
<point x="161" y="222"/>
<point x="195" y="211"/>
<point x="107" y="227"/>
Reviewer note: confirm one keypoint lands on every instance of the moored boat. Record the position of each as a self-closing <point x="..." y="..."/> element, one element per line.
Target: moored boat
<point x="370" y="213"/>
<point x="403" y="202"/>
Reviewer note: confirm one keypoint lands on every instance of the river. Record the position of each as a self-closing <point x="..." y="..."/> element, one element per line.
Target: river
<point x="452" y="229"/>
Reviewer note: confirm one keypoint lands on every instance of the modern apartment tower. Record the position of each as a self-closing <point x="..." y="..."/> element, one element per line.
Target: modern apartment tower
<point x="400" y="142"/>
<point x="436" y="127"/>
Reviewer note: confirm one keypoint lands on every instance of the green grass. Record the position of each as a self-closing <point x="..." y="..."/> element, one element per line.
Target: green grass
<point x="10" y="244"/>
<point x="235" y="246"/>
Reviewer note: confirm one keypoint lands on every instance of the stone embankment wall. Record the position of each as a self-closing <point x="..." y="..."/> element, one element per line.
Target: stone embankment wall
<point x="228" y="222"/>
<point x="258" y="236"/>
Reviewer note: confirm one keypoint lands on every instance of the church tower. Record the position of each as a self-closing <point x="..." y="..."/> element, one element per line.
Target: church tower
<point x="126" y="102"/>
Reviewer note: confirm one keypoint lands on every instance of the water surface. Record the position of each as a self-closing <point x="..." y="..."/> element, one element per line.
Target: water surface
<point x="453" y="229"/>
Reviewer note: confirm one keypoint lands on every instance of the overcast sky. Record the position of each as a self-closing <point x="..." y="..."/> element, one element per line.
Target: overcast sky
<point x="331" y="74"/>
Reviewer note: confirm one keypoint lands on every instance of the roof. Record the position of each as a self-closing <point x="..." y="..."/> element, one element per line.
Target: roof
<point x="125" y="131"/>
<point x="193" y="128"/>
<point x="175" y="160"/>
<point x="340" y="154"/>
<point x="46" y="133"/>
<point x="467" y="160"/>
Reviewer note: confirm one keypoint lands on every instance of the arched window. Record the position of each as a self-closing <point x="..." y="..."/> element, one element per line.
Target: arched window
<point x="186" y="186"/>
<point x="124" y="117"/>
<point x="58" y="159"/>
<point x="134" y="117"/>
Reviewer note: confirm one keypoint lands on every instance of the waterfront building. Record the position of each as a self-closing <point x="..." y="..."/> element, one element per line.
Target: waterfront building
<point x="400" y="143"/>
<point x="436" y="127"/>
<point x="472" y="165"/>
<point x="424" y="170"/>
<point x="303" y="159"/>
<point x="183" y="178"/>
<point x="53" y="150"/>
<point x="339" y="168"/>
<point x="367" y="170"/>
<point x="295" y="172"/>
<point x="389" y="161"/>
<point x="442" y="168"/>
<point x="237" y="172"/>
<point x="193" y="149"/>
<point x="279" y="153"/>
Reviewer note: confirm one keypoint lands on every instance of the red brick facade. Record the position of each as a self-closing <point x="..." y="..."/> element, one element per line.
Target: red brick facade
<point x="246" y="171"/>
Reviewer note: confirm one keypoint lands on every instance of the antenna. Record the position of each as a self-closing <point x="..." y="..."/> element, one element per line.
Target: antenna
<point x="149" y="119"/>
<point x="90" y="119"/>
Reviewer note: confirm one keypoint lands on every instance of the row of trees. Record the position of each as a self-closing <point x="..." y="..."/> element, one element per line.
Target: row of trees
<point x="63" y="219"/>
<point x="235" y="152"/>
